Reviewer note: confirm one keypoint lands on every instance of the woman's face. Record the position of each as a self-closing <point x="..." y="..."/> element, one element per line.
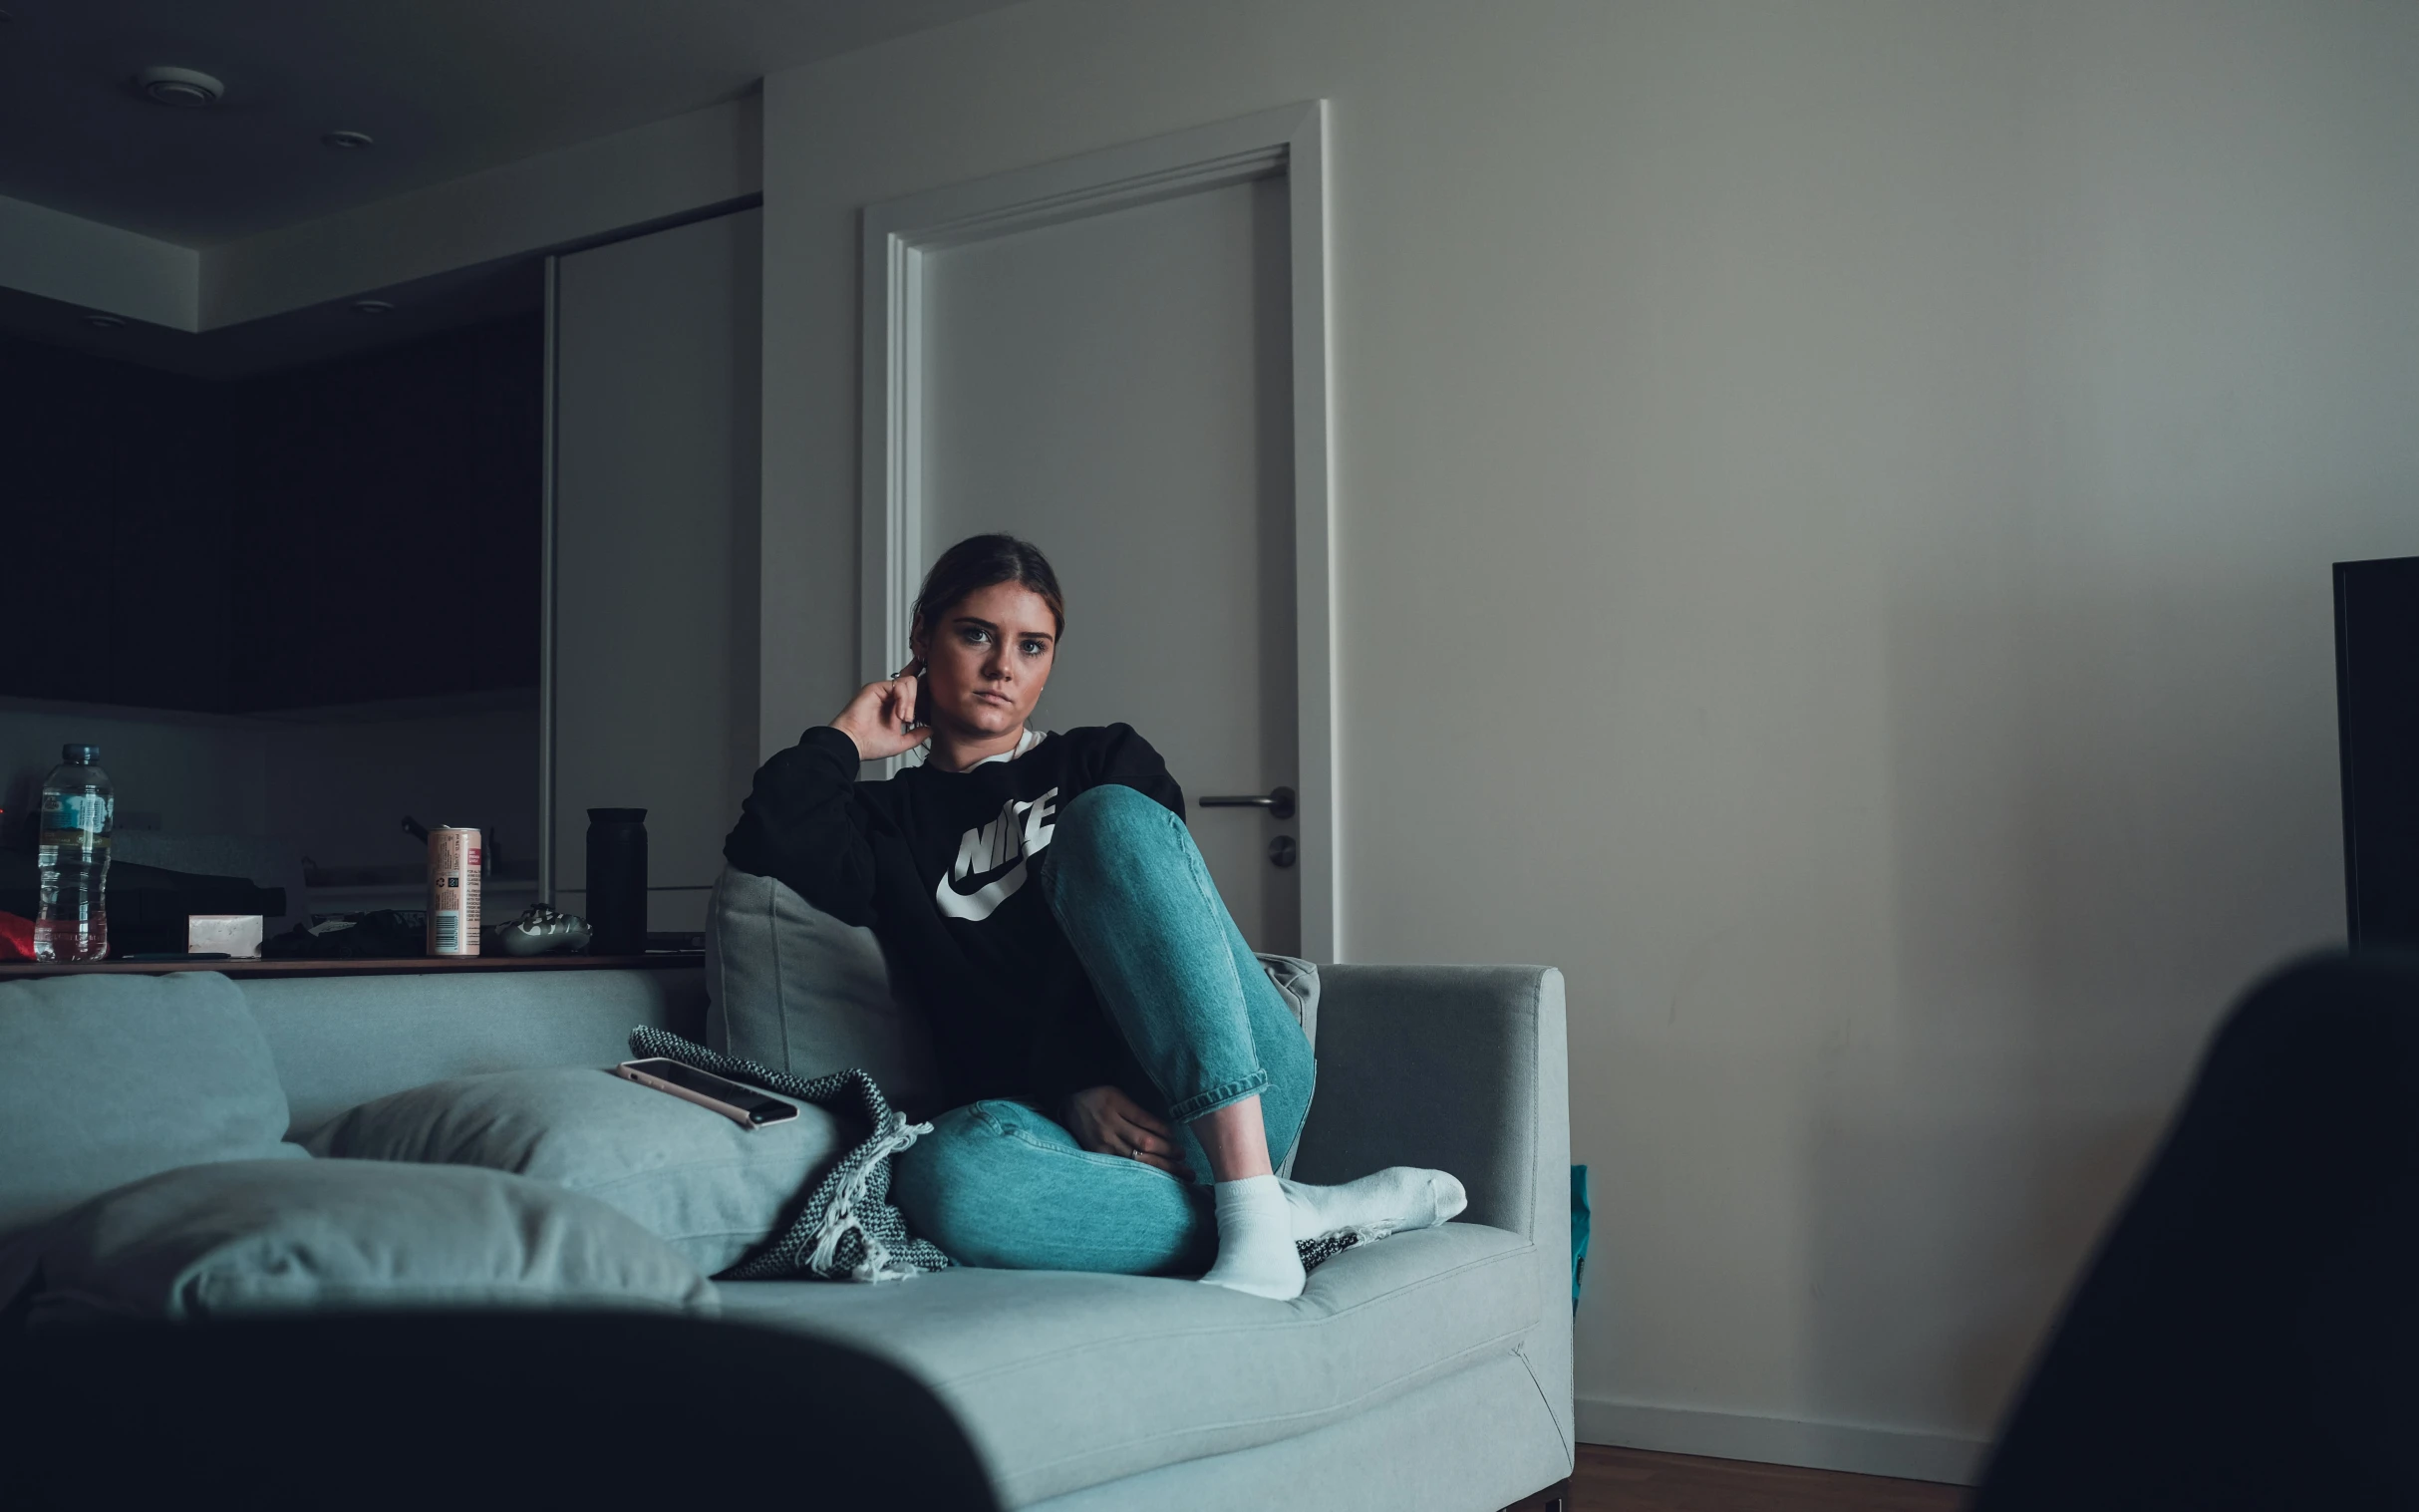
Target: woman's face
<point x="985" y="661"/>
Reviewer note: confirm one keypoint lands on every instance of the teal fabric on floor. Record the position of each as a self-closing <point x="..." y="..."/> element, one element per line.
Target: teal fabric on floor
<point x="1579" y="1229"/>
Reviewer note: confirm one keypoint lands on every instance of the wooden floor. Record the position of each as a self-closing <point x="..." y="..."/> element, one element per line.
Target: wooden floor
<point x="1631" y="1481"/>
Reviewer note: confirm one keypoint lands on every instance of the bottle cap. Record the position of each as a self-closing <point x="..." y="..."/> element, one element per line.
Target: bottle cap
<point x="81" y="756"/>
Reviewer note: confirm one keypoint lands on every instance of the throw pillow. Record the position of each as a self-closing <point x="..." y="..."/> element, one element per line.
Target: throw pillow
<point x="692" y="1177"/>
<point x="1297" y="981"/>
<point x="792" y="988"/>
<point x="248" y="1237"/>
<point x="110" y="1077"/>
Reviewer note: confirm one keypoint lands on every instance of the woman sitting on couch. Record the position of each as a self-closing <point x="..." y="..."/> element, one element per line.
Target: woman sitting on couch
<point x="1106" y="1037"/>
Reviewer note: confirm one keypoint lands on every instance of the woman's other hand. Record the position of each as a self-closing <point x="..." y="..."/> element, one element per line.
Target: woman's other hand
<point x="881" y="717"/>
<point x="1107" y="1122"/>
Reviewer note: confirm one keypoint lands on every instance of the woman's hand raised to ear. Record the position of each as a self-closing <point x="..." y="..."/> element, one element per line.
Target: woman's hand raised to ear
<point x="879" y="717"/>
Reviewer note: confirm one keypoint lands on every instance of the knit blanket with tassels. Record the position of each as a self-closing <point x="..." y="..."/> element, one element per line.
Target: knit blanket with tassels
<point x="848" y="1231"/>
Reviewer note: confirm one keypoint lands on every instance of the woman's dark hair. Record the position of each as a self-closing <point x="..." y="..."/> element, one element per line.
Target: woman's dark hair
<point x="975" y="563"/>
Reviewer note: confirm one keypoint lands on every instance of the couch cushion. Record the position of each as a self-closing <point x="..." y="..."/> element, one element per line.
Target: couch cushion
<point x="248" y="1236"/>
<point x="1067" y="1380"/>
<point x="342" y="1040"/>
<point x="106" y="1079"/>
<point x="793" y="988"/>
<point x="690" y="1176"/>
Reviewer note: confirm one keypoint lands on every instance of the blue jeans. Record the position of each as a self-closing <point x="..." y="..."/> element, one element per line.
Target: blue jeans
<point x="1002" y="1184"/>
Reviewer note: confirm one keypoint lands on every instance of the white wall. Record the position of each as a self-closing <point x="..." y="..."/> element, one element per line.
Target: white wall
<point x="1834" y="517"/>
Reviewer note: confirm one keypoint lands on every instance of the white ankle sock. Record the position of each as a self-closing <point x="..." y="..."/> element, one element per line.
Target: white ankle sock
<point x="1390" y="1201"/>
<point x="1256" y="1240"/>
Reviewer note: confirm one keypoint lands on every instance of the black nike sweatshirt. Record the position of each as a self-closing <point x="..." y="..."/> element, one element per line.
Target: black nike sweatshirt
<point x="938" y="864"/>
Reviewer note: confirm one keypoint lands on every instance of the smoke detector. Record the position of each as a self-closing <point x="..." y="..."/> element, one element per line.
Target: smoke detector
<point x="105" y="321"/>
<point x="372" y="306"/>
<point x="187" y="88"/>
<point x="347" y="140"/>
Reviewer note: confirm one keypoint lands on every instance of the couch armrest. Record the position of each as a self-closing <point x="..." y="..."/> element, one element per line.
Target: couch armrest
<point x="1461" y="1067"/>
<point x="1465" y="1068"/>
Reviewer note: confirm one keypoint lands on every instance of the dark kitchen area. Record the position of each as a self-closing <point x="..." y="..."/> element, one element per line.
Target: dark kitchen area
<point x="291" y="595"/>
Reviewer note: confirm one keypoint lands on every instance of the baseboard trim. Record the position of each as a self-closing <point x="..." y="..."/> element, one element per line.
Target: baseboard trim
<point x="1781" y="1441"/>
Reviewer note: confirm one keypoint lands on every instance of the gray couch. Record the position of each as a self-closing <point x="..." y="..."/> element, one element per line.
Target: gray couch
<point x="1431" y="1370"/>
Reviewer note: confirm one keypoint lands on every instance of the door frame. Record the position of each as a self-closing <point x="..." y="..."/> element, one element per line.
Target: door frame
<point x="1288" y="141"/>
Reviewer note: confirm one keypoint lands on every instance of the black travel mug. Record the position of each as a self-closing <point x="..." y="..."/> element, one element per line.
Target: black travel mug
<point x="617" y="881"/>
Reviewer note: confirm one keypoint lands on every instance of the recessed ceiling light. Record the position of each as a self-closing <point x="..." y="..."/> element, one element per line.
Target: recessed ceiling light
<point x="348" y="140"/>
<point x="185" y="88"/>
<point x="372" y="306"/>
<point x="104" y="322"/>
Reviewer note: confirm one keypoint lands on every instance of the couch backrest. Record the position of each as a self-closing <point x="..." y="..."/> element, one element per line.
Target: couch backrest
<point x="797" y="989"/>
<point x="340" y="1041"/>
<point x="109" y="1078"/>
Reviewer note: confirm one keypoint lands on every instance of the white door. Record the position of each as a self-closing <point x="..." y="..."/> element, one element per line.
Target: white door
<point x="1117" y="389"/>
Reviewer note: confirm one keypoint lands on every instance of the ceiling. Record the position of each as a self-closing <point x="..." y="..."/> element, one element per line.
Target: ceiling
<point x="316" y="333"/>
<point x="446" y="86"/>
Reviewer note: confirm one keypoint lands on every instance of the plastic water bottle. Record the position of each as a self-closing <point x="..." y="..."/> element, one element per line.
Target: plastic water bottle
<point x="74" y="855"/>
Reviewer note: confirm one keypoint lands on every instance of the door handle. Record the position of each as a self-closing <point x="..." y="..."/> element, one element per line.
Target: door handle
<point x="1279" y="801"/>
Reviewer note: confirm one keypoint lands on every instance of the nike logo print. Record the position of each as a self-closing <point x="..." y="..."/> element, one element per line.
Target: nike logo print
<point x="1021" y="831"/>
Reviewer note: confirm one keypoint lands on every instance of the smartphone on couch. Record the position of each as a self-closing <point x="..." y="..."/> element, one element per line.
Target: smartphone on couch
<point x="741" y="1103"/>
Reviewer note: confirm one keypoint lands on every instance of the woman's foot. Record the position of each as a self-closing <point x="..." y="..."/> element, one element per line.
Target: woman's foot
<point x="1391" y="1201"/>
<point x="1256" y="1240"/>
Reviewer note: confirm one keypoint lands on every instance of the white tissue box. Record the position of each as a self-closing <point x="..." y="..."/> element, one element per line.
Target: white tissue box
<point x="237" y="935"/>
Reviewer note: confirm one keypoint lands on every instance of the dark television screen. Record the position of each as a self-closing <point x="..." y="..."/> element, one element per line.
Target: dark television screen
<point x="2377" y="713"/>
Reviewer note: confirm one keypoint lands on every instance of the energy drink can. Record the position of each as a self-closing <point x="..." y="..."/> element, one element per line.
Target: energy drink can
<point x="456" y="859"/>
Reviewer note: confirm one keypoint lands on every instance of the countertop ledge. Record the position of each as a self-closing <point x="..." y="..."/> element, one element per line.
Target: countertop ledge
<point x="404" y="966"/>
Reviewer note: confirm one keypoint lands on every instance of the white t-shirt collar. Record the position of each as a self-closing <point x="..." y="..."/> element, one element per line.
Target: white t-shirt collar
<point x="1024" y="743"/>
